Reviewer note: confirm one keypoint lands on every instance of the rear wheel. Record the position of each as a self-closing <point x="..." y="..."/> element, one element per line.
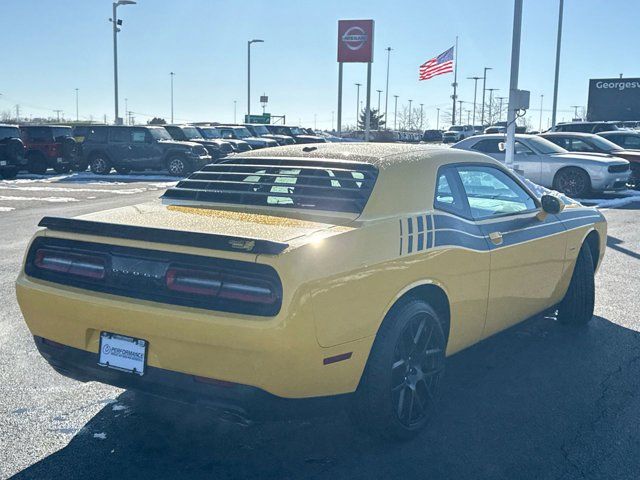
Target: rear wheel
<point x="178" y="166"/>
<point x="99" y="165"/>
<point x="9" y="173"/>
<point x="573" y="182"/>
<point x="400" y="387"/>
<point x="576" y="308"/>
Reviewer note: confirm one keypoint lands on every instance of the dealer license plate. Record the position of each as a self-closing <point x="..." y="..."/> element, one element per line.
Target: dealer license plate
<point x="122" y="353"/>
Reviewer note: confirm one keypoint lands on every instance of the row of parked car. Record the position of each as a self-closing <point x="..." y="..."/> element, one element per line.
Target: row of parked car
<point x="179" y="149"/>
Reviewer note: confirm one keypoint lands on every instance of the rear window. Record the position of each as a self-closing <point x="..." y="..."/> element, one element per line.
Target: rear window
<point x="281" y="183"/>
<point x="9" y="132"/>
<point x="38" y="134"/>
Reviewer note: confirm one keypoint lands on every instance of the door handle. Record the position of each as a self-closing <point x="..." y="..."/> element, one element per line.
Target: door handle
<point x="496" y="238"/>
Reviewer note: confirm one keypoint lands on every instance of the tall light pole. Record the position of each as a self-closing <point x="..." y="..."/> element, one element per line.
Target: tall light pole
<point x="513" y="83"/>
<point x="475" y="95"/>
<point x="491" y="90"/>
<point x="501" y="99"/>
<point x="386" y="92"/>
<point x="116" y="24"/>
<point x="395" y="114"/>
<point x="484" y="87"/>
<point x="126" y="110"/>
<point x="557" y="72"/>
<point x="540" y="125"/>
<point x="172" y="75"/>
<point x="409" y="122"/>
<point x="438" y="119"/>
<point x="379" y="92"/>
<point x="421" y="113"/>
<point x="460" y="102"/>
<point x="77" y="116"/>
<point x="575" y="110"/>
<point x="249" y="43"/>
<point x="358" y="85"/>
<point x="235" y="104"/>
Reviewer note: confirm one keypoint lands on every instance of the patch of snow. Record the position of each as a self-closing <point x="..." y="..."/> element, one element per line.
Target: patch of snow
<point x="118" y="406"/>
<point x="39" y="199"/>
<point x="6" y="209"/>
<point x="101" y="436"/>
<point x="126" y="191"/>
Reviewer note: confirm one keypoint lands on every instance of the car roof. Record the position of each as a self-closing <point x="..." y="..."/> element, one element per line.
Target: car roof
<point x="45" y="125"/>
<point x="620" y="132"/>
<point x="568" y="134"/>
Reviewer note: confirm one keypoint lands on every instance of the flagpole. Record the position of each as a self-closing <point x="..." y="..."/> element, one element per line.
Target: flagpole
<point x="455" y="84"/>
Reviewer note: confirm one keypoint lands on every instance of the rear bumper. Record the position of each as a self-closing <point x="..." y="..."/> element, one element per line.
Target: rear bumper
<point x="242" y="400"/>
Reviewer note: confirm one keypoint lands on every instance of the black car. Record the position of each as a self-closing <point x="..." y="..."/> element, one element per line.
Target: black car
<point x="140" y="148"/>
<point x="216" y="147"/>
<point x="584" y="127"/>
<point x="432" y="136"/>
<point x="260" y="130"/>
<point x="211" y="133"/>
<point x="49" y="146"/>
<point x="12" y="152"/>
<point x="235" y="132"/>
<point x="296" y="132"/>
<point x="623" y="138"/>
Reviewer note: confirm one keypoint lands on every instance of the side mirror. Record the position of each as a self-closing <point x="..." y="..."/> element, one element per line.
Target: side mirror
<point x="551" y="204"/>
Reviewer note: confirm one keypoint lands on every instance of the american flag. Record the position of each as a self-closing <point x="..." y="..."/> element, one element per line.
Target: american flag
<point x="443" y="63"/>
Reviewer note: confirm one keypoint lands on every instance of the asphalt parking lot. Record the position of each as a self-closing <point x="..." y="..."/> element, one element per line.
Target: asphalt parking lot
<point x="539" y="401"/>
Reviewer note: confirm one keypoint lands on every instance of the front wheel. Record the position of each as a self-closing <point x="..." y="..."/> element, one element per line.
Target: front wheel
<point x="99" y="165"/>
<point x="573" y="182"/>
<point x="398" y="392"/>
<point x="576" y="308"/>
<point x="178" y="166"/>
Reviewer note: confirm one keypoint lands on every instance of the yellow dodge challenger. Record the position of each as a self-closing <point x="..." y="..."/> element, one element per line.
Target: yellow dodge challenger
<point x="309" y="277"/>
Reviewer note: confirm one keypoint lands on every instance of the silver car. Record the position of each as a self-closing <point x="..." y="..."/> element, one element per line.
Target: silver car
<point x="544" y="163"/>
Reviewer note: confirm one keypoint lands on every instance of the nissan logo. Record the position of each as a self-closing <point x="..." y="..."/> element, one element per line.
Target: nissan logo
<point x="354" y="38"/>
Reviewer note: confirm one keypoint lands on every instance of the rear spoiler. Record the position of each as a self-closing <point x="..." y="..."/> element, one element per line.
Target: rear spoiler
<point x="162" y="235"/>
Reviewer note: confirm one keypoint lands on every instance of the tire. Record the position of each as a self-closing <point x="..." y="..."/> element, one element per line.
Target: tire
<point x="399" y="389"/>
<point x="37" y="164"/>
<point x="576" y="308"/>
<point x="123" y="170"/>
<point x="573" y="182"/>
<point x="100" y="164"/>
<point x="61" y="168"/>
<point x="9" y="173"/>
<point x="178" y="166"/>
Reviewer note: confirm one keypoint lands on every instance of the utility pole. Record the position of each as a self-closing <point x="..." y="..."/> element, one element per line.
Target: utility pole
<point x="438" y="119"/>
<point x="491" y="90"/>
<point x="575" y="110"/>
<point x="235" y="104"/>
<point x="58" y="112"/>
<point x="77" y="116"/>
<point x="386" y="92"/>
<point x="500" y="107"/>
<point x="395" y="114"/>
<point x="379" y="92"/>
<point x="460" y="108"/>
<point x="409" y="122"/>
<point x="17" y="113"/>
<point x="513" y="83"/>
<point x="332" y="119"/>
<point x="116" y="24"/>
<point x="172" y="75"/>
<point x="358" y="85"/>
<point x="249" y="43"/>
<point x="540" y="125"/>
<point x="557" y="71"/>
<point x="454" y="97"/>
<point x="475" y="95"/>
<point x="127" y="113"/>
<point x="315" y="121"/>
<point x="421" y="112"/>
<point x="484" y="87"/>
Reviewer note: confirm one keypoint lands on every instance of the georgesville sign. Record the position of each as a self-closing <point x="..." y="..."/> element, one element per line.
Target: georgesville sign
<point x="614" y="99"/>
<point x="355" y="41"/>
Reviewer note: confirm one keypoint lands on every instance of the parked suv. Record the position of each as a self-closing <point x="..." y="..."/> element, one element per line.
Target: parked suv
<point x="140" y="148"/>
<point x="457" y="133"/>
<point x="296" y="132"/>
<point x="12" y="151"/>
<point x="259" y="130"/>
<point x="210" y="133"/>
<point x="49" y="146"/>
<point x="585" y="127"/>
<point x="216" y="147"/>
<point x="241" y="133"/>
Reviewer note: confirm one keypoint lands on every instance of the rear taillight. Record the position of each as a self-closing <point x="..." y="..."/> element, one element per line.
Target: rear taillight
<point x="221" y="285"/>
<point x="87" y="266"/>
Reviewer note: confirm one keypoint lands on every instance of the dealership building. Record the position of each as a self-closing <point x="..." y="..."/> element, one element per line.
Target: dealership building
<point x="616" y="99"/>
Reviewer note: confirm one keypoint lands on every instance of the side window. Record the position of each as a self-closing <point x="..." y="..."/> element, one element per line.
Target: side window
<point x="39" y="134"/>
<point x="120" y="135"/>
<point x="630" y="141"/>
<point x="448" y="196"/>
<point x="521" y="149"/>
<point x="489" y="145"/>
<point x="138" y="136"/>
<point x="491" y="192"/>
<point x="578" y="145"/>
<point x="97" y="135"/>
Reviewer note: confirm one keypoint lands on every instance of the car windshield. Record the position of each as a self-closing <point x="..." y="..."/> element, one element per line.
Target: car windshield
<point x="296" y="131"/>
<point x="544" y="146"/>
<point x="9" y="132"/>
<point x="210" y="133"/>
<point x="603" y="143"/>
<point x="160" y="134"/>
<point x="242" y="132"/>
<point x="456" y="128"/>
<point x="191" y="132"/>
<point x="260" y="129"/>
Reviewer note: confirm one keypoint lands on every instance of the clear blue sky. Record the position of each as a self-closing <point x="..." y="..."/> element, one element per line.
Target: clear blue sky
<point x="51" y="47"/>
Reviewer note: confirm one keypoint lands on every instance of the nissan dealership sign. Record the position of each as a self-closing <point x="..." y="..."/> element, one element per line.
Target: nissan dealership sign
<point x="355" y="41"/>
<point x="614" y="99"/>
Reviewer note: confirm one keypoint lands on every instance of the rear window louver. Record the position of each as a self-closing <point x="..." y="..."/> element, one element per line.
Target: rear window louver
<point x="331" y="185"/>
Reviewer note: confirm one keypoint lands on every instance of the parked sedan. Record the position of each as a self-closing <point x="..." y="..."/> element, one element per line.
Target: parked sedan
<point x="545" y="163"/>
<point x="589" y="143"/>
<point x="231" y="132"/>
